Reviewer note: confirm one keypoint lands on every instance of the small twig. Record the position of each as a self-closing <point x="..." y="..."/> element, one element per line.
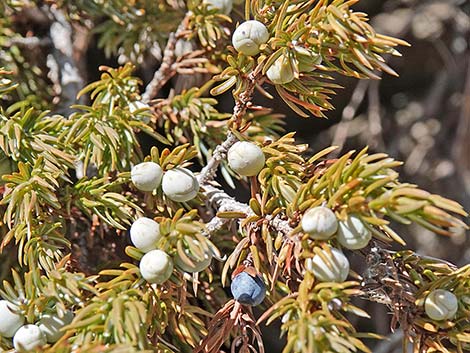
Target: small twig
<point x="387" y="281"/>
<point x="29" y="42"/>
<point x="39" y="15"/>
<point x="243" y="102"/>
<point x="244" y="99"/>
<point x="208" y="172"/>
<point x="166" y="70"/>
<point x="280" y="224"/>
<point x="223" y="202"/>
<point x="217" y="198"/>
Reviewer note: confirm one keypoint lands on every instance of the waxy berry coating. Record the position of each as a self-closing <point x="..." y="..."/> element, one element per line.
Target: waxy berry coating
<point x="51" y="325"/>
<point x="246" y="158"/>
<point x="199" y="261"/>
<point x="247" y="289"/>
<point x="306" y="59"/>
<point x="248" y="37"/>
<point x="335" y="267"/>
<point x="10" y="321"/>
<point x="180" y="185"/>
<point x="319" y="222"/>
<point x="441" y="304"/>
<point x="156" y="266"/>
<point x="147" y="176"/>
<point x="145" y="233"/>
<point x="28" y="338"/>
<point x="281" y="71"/>
<point x="353" y="234"/>
<point x="183" y="47"/>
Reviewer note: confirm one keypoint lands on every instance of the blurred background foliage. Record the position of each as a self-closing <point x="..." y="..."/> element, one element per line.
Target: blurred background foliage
<point x="421" y="117"/>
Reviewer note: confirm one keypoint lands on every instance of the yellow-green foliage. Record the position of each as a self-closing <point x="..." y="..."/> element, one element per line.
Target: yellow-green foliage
<point x="67" y="200"/>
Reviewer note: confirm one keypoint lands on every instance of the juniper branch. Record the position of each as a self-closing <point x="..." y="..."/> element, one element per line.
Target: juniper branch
<point x="29" y="42"/>
<point x="243" y="102"/>
<point x="222" y="202"/>
<point x="210" y="169"/>
<point x="166" y="70"/>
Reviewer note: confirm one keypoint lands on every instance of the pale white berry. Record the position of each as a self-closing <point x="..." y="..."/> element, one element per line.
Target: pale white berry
<point x="145" y="233"/>
<point x="225" y="6"/>
<point x="319" y="223"/>
<point x="51" y="325"/>
<point x="246" y="158"/>
<point x="147" y="176"/>
<point x="28" y="338"/>
<point x="10" y="321"/>
<point x="353" y="234"/>
<point x="194" y="262"/>
<point x="248" y="37"/>
<point x="281" y="71"/>
<point x="156" y="266"/>
<point x="441" y="304"/>
<point x="332" y="267"/>
<point x="137" y="105"/>
<point x="180" y="185"/>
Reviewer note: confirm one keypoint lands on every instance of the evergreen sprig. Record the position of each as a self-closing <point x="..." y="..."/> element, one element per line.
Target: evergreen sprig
<point x="66" y="184"/>
<point x="103" y="197"/>
<point x="27" y="135"/>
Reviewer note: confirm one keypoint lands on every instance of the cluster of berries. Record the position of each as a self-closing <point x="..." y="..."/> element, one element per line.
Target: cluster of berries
<point x="332" y="266"/>
<point x="156" y="266"/>
<point x="320" y="223"/>
<point x="249" y="38"/>
<point x="181" y="185"/>
<point x="178" y="184"/>
<point x="29" y="337"/>
<point x="247" y="159"/>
